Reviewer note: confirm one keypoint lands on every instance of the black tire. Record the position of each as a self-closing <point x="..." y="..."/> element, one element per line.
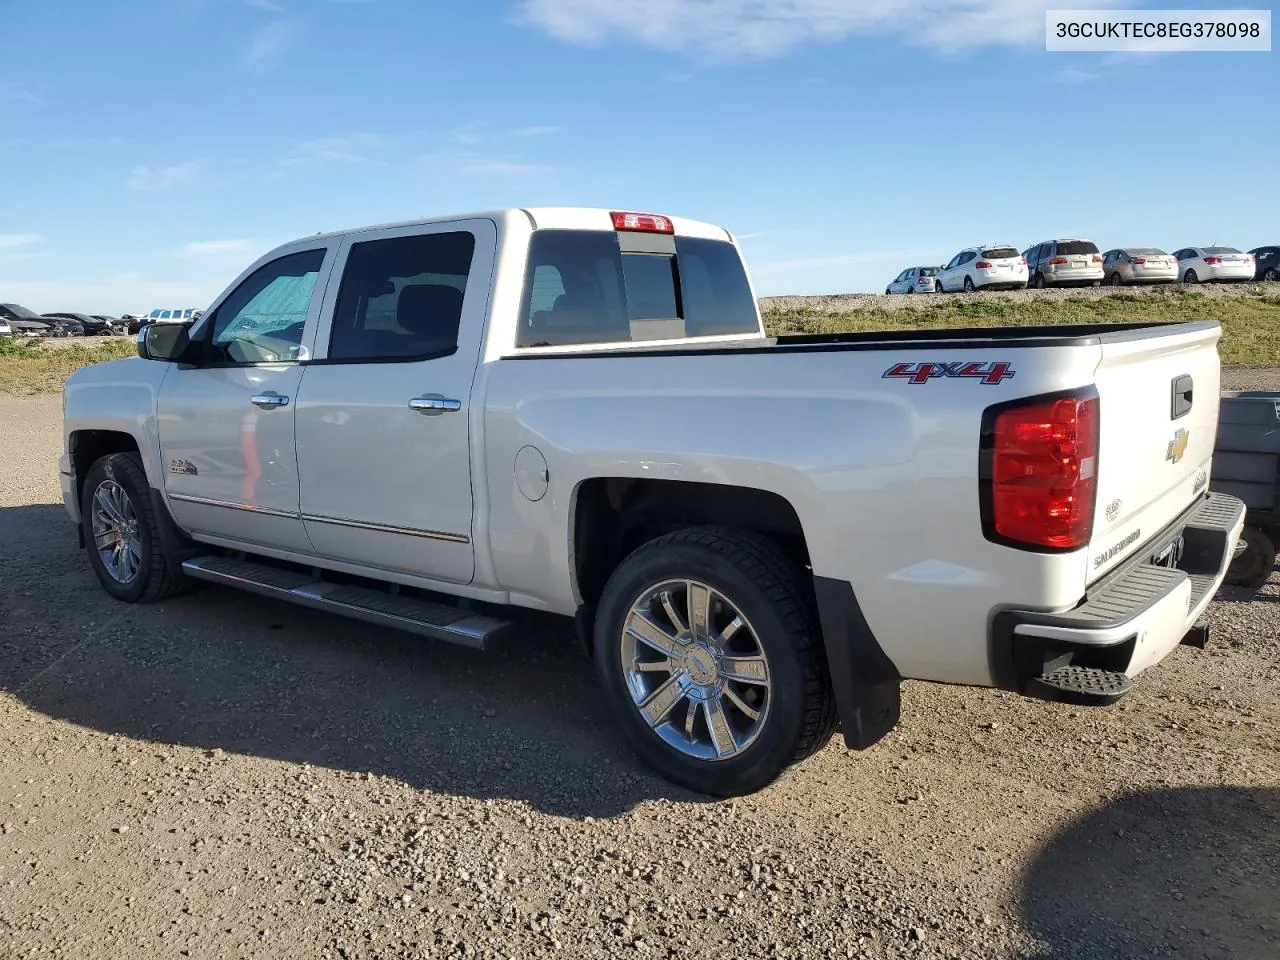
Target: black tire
<point x="1272" y="275"/>
<point x="968" y="284"/>
<point x="888" y="292"/>
<point x="773" y="594"/>
<point x="1190" y="277"/>
<point x="153" y="580"/>
<point x="1115" y="279"/>
<point x="1255" y="565"/>
<point x="1040" y="282"/>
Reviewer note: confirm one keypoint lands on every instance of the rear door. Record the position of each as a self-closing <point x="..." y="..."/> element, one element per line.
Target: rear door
<point x="1159" y="416"/>
<point x="384" y="412"/>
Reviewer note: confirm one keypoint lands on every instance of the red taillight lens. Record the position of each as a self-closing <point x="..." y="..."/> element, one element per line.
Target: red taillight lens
<point x="1139" y="260"/>
<point x="1041" y="473"/>
<point x="983" y="265"/>
<point x="1212" y="260"/>
<point x="643" y="222"/>
<point x="1022" y="261"/>
<point x="1097" y="258"/>
<point x="1058" y="262"/>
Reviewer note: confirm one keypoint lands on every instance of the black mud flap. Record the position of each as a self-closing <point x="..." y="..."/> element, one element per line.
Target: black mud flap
<point x="866" y="683"/>
<point x="178" y="547"/>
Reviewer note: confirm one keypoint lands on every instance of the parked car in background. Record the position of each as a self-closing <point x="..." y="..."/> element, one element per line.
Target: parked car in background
<point x="116" y="324"/>
<point x="62" y="325"/>
<point x="21" y="321"/>
<point x="1064" y="263"/>
<point x="1266" y="263"/>
<point x="915" y="280"/>
<point x="1139" y="265"/>
<point x="5" y="329"/>
<point x="133" y="322"/>
<point x="181" y="315"/>
<point x="91" y="326"/>
<point x="1214" y="264"/>
<point x="991" y="267"/>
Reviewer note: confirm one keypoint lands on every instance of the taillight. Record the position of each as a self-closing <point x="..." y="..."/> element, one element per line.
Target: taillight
<point x="1139" y="260"/>
<point x="1058" y="262"/>
<point x="1097" y="258"/>
<point x="643" y="222"/>
<point x="1040" y="471"/>
<point x="1022" y="261"/>
<point x="983" y="265"/>
<point x="1212" y="260"/>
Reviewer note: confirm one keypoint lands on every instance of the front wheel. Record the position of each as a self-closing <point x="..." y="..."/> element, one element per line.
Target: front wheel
<point x="1041" y="282"/>
<point x="708" y="648"/>
<point x="122" y="533"/>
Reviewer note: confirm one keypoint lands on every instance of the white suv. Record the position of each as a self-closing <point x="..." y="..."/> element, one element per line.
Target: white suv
<point x="991" y="267"/>
<point x="182" y="315"/>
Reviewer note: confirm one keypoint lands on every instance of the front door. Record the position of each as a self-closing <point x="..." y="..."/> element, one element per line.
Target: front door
<point x="227" y="425"/>
<point x="384" y="451"/>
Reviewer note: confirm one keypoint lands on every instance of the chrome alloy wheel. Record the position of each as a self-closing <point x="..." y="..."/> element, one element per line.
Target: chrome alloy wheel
<point x="696" y="670"/>
<point x="115" y="532"/>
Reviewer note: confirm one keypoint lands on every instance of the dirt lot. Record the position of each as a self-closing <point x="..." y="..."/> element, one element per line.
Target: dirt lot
<point x="222" y="776"/>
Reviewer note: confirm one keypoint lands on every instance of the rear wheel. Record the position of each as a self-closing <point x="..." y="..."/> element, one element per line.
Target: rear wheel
<point x="1272" y="274"/>
<point x="1041" y="282"/>
<point x="1190" y="277"/>
<point x="1115" y="279"/>
<point x="708" y="648"/>
<point x="968" y="285"/>
<point x="122" y="532"/>
<point x="1254" y="566"/>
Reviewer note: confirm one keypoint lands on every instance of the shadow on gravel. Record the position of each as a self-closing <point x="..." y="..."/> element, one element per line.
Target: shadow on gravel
<point x="1189" y="872"/>
<point x="223" y="669"/>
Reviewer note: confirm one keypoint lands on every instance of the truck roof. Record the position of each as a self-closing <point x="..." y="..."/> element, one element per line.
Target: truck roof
<point x="544" y="218"/>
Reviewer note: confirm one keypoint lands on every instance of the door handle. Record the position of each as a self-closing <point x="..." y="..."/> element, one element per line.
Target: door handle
<point x="433" y="405"/>
<point x="268" y="400"/>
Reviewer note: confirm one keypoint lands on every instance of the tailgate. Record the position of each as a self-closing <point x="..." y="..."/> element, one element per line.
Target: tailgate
<point x="1159" y="395"/>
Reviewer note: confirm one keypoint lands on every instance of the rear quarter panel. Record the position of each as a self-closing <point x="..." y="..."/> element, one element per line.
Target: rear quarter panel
<point x="883" y="473"/>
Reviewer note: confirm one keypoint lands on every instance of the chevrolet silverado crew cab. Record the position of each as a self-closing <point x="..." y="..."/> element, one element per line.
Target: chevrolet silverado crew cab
<point x="430" y="424"/>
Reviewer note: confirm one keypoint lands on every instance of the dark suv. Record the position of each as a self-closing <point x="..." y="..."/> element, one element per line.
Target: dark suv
<point x="1268" y="261"/>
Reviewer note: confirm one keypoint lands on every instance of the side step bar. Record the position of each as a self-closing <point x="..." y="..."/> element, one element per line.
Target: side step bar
<point x="436" y="620"/>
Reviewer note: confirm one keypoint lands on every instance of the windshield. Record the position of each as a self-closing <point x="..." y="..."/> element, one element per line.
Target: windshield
<point x="928" y="271"/>
<point x="1000" y="253"/>
<point x="21" y="312"/>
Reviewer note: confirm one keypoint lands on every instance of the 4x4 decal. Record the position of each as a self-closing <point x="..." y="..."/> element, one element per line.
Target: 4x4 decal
<point x="989" y="373"/>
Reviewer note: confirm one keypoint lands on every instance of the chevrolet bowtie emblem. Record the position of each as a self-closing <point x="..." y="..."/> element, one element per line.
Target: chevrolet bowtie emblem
<point x="1178" y="446"/>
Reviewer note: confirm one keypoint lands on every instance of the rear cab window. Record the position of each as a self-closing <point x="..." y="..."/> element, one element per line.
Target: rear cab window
<point x="1000" y="253"/>
<point x="610" y="287"/>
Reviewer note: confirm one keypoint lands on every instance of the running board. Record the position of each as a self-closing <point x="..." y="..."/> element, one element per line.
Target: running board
<point x="436" y="620"/>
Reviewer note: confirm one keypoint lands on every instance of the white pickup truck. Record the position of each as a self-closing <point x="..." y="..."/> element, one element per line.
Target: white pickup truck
<point x="578" y="411"/>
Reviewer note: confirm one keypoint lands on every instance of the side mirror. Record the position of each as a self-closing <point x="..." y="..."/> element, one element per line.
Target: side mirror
<point x="163" y="341"/>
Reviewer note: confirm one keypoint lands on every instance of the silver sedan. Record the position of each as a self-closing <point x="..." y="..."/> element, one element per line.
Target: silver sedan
<point x="1139" y="265"/>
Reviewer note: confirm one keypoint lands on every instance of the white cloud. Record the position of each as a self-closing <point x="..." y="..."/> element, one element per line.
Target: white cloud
<point x="731" y="28"/>
<point x="13" y="241"/>
<point x="11" y="91"/>
<point x="216" y="248"/>
<point x="495" y="167"/>
<point x="159" y="178"/>
<point x="268" y="44"/>
<point x="350" y="148"/>
<point x="536" y="131"/>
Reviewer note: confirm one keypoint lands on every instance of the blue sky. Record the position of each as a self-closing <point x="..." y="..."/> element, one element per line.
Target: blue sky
<point x="150" y="150"/>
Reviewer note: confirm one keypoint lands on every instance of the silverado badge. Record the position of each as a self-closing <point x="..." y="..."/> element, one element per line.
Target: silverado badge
<point x="184" y="467"/>
<point x="1178" y="446"/>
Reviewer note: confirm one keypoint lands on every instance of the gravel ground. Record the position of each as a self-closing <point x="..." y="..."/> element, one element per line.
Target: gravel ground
<point x="850" y="302"/>
<point x="222" y="776"/>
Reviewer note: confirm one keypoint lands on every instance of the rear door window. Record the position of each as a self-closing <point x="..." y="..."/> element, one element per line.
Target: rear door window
<point x="401" y="298"/>
<point x="581" y="288"/>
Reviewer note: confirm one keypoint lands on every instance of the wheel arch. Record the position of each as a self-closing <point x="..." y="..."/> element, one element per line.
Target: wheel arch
<point x="89" y="446"/>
